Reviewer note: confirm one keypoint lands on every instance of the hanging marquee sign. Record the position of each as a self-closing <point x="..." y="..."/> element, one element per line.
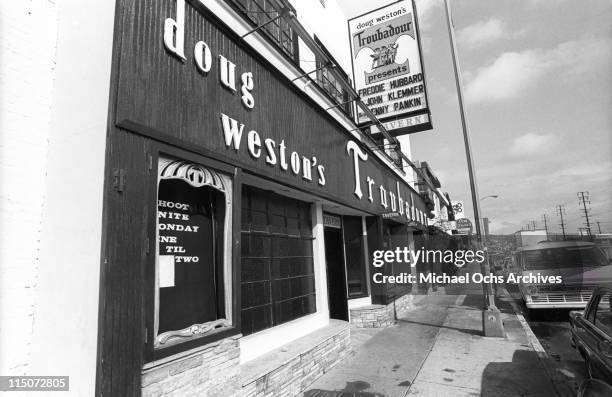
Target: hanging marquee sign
<point x="388" y="70"/>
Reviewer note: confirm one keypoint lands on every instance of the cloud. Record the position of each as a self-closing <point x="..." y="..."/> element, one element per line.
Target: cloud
<point x="545" y="2"/>
<point x="481" y="33"/>
<point x="512" y="73"/>
<point x="532" y="144"/>
<point x="509" y="75"/>
<point x="424" y="9"/>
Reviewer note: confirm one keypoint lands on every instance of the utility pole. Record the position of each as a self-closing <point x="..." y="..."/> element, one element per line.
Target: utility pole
<point x="545" y="219"/>
<point x="561" y="212"/>
<point x="583" y="197"/>
<point x="491" y="316"/>
<point x="599" y="227"/>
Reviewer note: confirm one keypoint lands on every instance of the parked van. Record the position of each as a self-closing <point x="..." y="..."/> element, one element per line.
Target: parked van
<point x="581" y="265"/>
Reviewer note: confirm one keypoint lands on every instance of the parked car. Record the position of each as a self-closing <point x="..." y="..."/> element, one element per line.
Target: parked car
<point x="592" y="334"/>
<point x="582" y="266"/>
<point x="594" y="388"/>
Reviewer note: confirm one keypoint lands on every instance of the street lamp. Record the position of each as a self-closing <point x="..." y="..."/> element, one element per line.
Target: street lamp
<point x="491" y="317"/>
<point x="485" y="221"/>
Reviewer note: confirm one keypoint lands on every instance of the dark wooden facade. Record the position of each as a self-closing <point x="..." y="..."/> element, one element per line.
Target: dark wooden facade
<point x="169" y="100"/>
<point x="160" y="104"/>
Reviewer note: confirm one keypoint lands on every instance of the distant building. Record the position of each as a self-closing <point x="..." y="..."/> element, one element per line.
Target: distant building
<point x="435" y="199"/>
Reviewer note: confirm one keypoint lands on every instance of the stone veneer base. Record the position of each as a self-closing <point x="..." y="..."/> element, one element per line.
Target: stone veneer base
<point x="290" y="370"/>
<point x="379" y="316"/>
<point x="215" y="370"/>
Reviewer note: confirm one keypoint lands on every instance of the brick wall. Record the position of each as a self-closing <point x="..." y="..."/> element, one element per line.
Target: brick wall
<point x="378" y="316"/>
<point x="28" y="34"/>
<point x="295" y="375"/>
<point x="212" y="372"/>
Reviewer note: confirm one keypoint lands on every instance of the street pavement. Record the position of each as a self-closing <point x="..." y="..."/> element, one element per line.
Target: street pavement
<point x="437" y="349"/>
<point x="552" y="329"/>
<point x="387" y="363"/>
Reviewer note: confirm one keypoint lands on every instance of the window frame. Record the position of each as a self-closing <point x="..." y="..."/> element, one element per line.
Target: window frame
<point x="363" y="265"/>
<point x="149" y="295"/>
<point x="323" y="78"/>
<point x="293" y="56"/>
<point x="595" y="311"/>
<point x="272" y="232"/>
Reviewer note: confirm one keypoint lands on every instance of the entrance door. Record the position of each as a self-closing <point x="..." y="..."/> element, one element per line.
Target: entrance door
<point x="336" y="276"/>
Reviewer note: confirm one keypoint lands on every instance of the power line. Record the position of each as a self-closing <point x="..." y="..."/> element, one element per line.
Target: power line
<point x="583" y="197"/>
<point x="561" y="212"/>
<point x="545" y="219"/>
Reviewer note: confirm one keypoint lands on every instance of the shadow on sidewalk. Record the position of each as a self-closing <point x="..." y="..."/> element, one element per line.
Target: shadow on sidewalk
<point x="352" y="389"/>
<point x="524" y="376"/>
<point x="464" y="330"/>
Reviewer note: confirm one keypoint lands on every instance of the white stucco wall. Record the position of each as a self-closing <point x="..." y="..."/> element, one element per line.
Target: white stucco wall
<point x="28" y="32"/>
<point x="64" y="340"/>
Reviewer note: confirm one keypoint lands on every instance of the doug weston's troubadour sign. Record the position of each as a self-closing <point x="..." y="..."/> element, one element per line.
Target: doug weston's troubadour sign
<point x="193" y="82"/>
<point x="387" y="67"/>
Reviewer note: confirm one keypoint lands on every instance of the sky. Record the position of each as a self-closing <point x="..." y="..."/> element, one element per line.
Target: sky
<point x="537" y="80"/>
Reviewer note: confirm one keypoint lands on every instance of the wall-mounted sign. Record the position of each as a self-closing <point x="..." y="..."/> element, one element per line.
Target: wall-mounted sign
<point x="464" y="226"/>
<point x="387" y="68"/>
<point x="332" y="221"/>
<point x="391" y="215"/>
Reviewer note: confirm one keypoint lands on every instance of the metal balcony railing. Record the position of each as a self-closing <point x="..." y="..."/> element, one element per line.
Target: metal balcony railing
<point x="264" y="13"/>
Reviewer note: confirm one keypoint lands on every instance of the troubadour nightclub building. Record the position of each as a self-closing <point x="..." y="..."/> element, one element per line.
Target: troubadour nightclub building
<point x="191" y="208"/>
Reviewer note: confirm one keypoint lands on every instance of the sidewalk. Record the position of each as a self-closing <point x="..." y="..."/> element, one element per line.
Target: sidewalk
<point x="437" y="350"/>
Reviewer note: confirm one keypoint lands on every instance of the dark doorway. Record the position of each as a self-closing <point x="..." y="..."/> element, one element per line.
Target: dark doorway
<point x="336" y="276"/>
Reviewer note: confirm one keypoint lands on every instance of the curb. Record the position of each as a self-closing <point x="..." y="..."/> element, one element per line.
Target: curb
<point x="533" y="339"/>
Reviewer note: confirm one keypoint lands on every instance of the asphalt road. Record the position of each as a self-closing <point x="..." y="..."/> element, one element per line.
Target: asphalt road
<point x="552" y="329"/>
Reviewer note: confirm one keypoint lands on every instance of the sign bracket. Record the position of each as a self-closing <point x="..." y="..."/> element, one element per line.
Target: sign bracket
<point x="329" y="65"/>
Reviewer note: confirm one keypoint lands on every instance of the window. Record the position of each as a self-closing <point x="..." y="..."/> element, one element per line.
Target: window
<point x="330" y="84"/>
<point x="565" y="257"/>
<point x="277" y="269"/>
<point x="355" y="256"/>
<point x="603" y="314"/>
<point x="193" y="253"/>
<point x="262" y="11"/>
